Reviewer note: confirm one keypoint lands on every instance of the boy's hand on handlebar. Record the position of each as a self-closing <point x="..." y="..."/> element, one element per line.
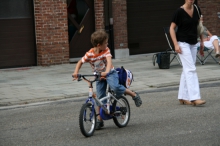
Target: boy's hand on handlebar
<point x="75" y="76"/>
<point x="101" y="75"/>
<point x="102" y="78"/>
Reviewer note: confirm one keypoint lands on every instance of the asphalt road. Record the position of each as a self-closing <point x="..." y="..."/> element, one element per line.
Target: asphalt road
<point x="159" y="121"/>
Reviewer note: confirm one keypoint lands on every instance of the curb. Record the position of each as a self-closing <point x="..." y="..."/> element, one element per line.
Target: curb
<point x="56" y="98"/>
<point x="42" y="99"/>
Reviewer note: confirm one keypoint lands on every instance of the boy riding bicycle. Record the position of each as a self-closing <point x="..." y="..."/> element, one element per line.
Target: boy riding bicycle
<point x="100" y="60"/>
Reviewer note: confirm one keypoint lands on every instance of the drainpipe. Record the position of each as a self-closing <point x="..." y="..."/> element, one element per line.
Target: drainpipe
<point x="109" y="25"/>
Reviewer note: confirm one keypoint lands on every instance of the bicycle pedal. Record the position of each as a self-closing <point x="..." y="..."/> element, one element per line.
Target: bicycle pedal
<point x="123" y="110"/>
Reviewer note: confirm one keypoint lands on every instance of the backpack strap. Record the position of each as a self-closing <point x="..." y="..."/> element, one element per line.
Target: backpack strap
<point x="121" y="75"/>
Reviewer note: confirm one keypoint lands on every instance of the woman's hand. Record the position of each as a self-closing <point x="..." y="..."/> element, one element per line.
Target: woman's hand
<point x="208" y="38"/>
<point x="178" y="49"/>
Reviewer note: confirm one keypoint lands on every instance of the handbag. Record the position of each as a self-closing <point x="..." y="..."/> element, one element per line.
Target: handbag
<point x="200" y="27"/>
<point x="162" y="59"/>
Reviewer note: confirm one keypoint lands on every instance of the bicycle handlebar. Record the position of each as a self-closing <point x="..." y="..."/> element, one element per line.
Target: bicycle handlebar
<point x="96" y="75"/>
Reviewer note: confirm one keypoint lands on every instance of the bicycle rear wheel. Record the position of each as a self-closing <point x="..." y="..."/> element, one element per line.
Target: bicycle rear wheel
<point x="87" y="120"/>
<point x="121" y="110"/>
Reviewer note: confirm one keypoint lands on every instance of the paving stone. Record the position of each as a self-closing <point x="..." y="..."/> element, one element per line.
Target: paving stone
<point x="36" y="84"/>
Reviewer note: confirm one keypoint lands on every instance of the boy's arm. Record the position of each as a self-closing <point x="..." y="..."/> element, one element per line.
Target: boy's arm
<point x="77" y="68"/>
<point x="108" y="67"/>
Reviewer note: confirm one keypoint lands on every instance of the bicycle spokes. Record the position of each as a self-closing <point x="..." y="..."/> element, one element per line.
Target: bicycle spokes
<point x="87" y="120"/>
<point x="121" y="109"/>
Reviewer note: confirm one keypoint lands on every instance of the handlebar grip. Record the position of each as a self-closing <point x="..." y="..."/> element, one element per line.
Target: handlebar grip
<point x="78" y="76"/>
<point x="98" y="76"/>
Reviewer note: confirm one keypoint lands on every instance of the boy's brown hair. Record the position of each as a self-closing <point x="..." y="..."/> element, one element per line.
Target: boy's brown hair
<point x="98" y="37"/>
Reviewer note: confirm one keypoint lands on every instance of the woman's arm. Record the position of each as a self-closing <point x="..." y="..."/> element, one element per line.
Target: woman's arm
<point x="209" y="33"/>
<point x="173" y="37"/>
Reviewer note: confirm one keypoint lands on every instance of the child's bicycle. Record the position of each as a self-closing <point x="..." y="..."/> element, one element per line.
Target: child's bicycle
<point x="117" y="108"/>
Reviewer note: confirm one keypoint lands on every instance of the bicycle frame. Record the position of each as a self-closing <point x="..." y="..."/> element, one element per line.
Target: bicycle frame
<point x="109" y="96"/>
<point x="116" y="108"/>
<point x="105" y="107"/>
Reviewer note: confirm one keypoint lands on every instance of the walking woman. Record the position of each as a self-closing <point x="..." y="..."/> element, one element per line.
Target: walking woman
<point x="186" y="18"/>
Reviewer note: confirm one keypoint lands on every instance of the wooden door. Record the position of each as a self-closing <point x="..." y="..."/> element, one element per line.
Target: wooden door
<point x="17" y="36"/>
<point x="81" y="23"/>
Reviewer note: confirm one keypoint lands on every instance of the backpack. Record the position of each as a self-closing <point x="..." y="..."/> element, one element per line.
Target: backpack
<point x="125" y="77"/>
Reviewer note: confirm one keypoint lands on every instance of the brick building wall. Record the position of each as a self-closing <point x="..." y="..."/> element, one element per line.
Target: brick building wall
<point x="99" y="14"/>
<point x="209" y="9"/>
<point x="119" y="12"/>
<point x="51" y="32"/>
<point x="120" y="24"/>
<point x="51" y="26"/>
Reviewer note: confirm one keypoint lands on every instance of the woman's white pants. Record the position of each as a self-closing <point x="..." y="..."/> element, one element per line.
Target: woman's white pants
<point x="189" y="83"/>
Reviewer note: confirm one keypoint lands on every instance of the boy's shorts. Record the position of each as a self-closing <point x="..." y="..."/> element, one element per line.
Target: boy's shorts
<point x="112" y="80"/>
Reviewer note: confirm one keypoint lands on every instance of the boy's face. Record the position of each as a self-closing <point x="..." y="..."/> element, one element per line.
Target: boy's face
<point x="104" y="45"/>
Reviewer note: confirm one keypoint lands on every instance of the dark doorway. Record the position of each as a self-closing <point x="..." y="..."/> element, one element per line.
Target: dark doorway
<point x="81" y="23"/>
<point x="17" y="36"/>
<point x="146" y="20"/>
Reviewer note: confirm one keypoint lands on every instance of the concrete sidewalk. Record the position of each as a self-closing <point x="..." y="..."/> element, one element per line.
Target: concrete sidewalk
<point x="37" y="84"/>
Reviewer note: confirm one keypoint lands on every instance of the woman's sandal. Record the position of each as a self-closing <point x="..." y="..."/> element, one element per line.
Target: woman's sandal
<point x="198" y="102"/>
<point x="186" y="102"/>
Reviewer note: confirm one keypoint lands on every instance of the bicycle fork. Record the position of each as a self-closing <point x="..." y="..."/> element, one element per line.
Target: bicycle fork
<point x="90" y="99"/>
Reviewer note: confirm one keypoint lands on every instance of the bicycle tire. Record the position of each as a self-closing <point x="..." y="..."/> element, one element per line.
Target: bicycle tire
<point x="84" y="120"/>
<point x="121" y="119"/>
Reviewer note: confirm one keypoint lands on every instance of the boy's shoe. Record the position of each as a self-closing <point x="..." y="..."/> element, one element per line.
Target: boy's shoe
<point x="137" y="100"/>
<point x="217" y="55"/>
<point x="99" y="124"/>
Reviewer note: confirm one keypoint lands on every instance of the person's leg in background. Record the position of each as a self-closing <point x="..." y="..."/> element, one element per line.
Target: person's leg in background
<point x="217" y="48"/>
<point x="214" y="44"/>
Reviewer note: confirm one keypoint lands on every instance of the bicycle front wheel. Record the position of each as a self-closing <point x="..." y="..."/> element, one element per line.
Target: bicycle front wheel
<point x="87" y="120"/>
<point x="121" y="110"/>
